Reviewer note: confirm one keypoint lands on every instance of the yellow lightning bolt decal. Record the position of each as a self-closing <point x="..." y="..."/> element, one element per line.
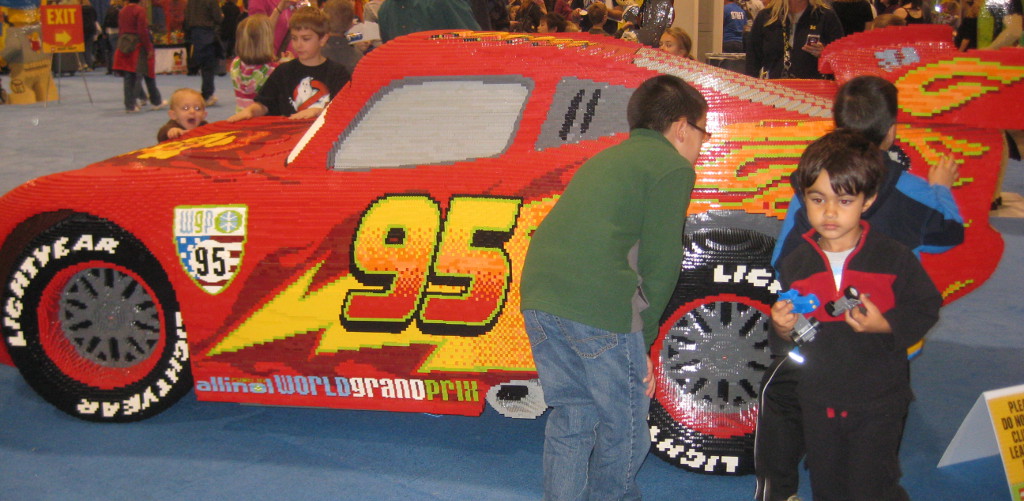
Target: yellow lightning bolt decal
<point x="171" y="149"/>
<point x="298" y="310"/>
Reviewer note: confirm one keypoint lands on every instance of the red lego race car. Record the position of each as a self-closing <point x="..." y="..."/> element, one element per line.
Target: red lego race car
<point x="371" y="260"/>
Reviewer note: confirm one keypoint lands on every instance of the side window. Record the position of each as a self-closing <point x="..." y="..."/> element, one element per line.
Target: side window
<point x="582" y="110"/>
<point x="420" y="121"/>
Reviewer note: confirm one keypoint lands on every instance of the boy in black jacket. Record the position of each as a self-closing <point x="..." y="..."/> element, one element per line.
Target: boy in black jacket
<point x="854" y="387"/>
<point x="919" y="214"/>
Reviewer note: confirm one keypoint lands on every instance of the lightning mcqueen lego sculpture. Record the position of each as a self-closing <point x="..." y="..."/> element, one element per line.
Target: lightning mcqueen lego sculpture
<point x="371" y="260"/>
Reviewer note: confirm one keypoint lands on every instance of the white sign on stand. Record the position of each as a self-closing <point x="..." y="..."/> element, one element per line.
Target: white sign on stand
<point x="995" y="425"/>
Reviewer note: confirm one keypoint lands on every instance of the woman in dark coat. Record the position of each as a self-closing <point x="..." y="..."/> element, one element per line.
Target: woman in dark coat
<point x="788" y="36"/>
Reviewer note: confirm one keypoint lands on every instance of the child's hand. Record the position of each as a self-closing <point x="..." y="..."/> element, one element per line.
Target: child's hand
<point x="649" y="379"/>
<point x="783" y="319"/>
<point x="867" y="318"/>
<point x="943" y="173"/>
<point x="175" y="133"/>
<point x="306" y="114"/>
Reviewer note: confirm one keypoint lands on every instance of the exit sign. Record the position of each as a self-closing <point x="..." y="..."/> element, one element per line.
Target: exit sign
<point x="62" y="28"/>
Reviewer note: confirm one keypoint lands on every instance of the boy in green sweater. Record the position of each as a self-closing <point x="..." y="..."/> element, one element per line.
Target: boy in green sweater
<point x="597" y="277"/>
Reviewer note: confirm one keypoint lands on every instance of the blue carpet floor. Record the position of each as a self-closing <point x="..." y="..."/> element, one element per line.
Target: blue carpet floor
<point x="224" y="451"/>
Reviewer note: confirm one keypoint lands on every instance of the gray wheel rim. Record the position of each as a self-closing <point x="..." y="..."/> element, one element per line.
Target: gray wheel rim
<point x="716" y="354"/>
<point x="109" y="317"/>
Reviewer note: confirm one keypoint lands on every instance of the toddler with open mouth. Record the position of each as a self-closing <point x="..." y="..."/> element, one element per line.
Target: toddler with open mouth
<point x="187" y="111"/>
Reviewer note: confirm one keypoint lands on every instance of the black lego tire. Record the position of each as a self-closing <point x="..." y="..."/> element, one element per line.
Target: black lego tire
<point x="92" y="322"/>
<point x="713" y="347"/>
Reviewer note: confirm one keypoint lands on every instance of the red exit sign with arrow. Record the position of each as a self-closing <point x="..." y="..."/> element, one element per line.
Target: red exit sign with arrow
<point x="62" y="28"/>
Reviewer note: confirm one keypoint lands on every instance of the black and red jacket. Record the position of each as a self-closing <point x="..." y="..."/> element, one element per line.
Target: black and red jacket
<point x="851" y="370"/>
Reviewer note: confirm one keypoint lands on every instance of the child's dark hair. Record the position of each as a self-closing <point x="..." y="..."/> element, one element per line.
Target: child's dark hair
<point x="662" y="100"/>
<point x="853" y="162"/>
<point x="310" y="18"/>
<point x="340" y="14"/>
<point x="866" y="104"/>
<point x="887" y="20"/>
<point x="597" y="13"/>
<point x="556" y="22"/>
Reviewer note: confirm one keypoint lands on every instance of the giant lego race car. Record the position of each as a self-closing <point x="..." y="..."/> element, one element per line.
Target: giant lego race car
<point x="371" y="259"/>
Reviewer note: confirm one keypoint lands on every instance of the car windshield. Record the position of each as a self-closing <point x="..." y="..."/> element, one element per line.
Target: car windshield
<point x="419" y="121"/>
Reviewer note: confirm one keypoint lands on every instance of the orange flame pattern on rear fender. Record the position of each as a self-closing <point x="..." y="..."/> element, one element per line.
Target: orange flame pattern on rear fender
<point x="936" y="88"/>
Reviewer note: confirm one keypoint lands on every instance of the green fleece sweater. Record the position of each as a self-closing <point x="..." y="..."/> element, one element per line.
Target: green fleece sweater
<point x="608" y="254"/>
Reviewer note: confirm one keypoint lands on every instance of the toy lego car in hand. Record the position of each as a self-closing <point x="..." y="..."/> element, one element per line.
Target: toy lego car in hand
<point x="806" y="328"/>
<point x="849" y="300"/>
<point x="801" y="304"/>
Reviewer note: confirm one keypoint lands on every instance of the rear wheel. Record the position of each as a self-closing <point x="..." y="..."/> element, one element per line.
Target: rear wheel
<point x="713" y="349"/>
<point x="92" y="323"/>
<point x="708" y="367"/>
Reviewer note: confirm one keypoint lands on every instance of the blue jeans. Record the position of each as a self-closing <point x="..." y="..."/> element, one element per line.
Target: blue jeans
<point x="596" y="436"/>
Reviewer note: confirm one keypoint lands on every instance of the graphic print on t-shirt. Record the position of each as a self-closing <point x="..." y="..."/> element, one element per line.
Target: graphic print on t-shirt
<point x="310" y="93"/>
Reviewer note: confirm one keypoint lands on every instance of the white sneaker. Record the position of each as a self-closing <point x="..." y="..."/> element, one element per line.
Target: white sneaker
<point x="162" y="105"/>
<point x="134" y="109"/>
<point x="212" y="101"/>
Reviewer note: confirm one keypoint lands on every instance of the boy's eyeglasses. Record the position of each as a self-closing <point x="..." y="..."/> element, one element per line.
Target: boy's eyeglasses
<point x="707" y="135"/>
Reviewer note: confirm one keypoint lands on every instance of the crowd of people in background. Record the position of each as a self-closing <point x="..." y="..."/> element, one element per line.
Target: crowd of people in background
<point x="778" y="39"/>
<point x="207" y="21"/>
<point x="249" y="39"/>
<point x="787" y="37"/>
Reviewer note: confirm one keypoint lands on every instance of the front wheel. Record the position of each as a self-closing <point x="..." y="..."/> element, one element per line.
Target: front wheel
<point x="93" y="325"/>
